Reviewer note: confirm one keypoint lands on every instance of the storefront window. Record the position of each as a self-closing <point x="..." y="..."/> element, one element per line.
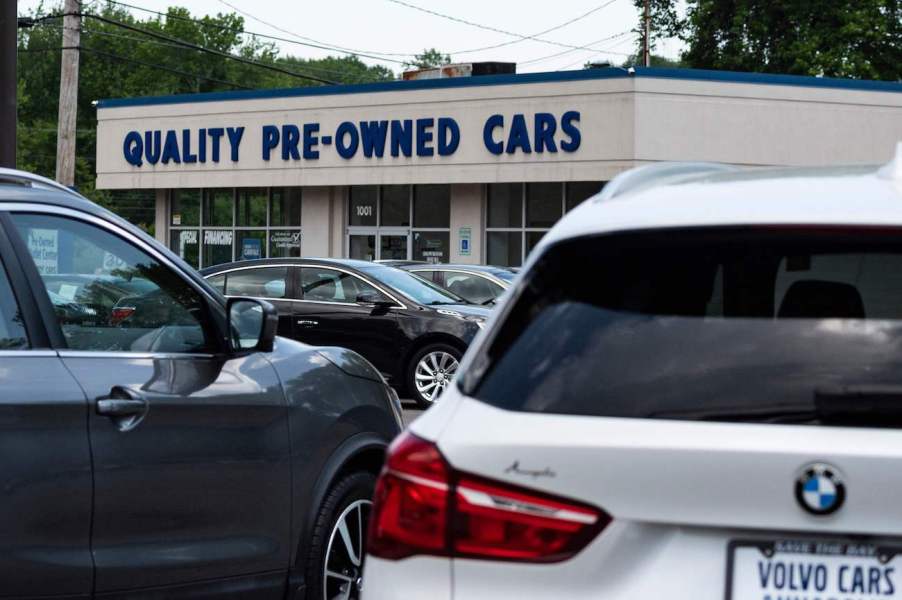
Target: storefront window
<point x="505" y="205"/>
<point x="543" y="204"/>
<point x="431" y="246"/>
<point x="251" y="208"/>
<point x="508" y="238"/>
<point x="432" y="206"/>
<point x="251" y="244"/>
<point x="395" y="209"/>
<point x="362" y="211"/>
<point x="577" y="191"/>
<point x="217" y="246"/>
<point x="185" y="208"/>
<point x="379" y="221"/>
<point x="218" y="207"/>
<point x="285" y="207"/>
<point x="284" y="243"/>
<point x="266" y="224"/>
<point x="185" y="243"/>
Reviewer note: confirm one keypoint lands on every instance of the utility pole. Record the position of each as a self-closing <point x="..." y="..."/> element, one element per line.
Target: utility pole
<point x="646" y="54"/>
<point x="8" y="41"/>
<point x="65" y="136"/>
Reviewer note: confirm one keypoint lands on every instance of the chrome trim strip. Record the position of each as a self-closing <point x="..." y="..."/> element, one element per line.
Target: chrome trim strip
<point x="400" y="304"/>
<point x="130" y="355"/>
<point x="24" y="353"/>
<point x="30" y="178"/>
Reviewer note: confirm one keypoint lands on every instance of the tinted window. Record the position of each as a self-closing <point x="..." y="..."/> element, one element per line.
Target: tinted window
<point x="110" y="296"/>
<point x="267" y="282"/>
<point x="762" y="325"/>
<point x="431" y="206"/>
<point x="413" y="286"/>
<point x="218" y="281"/>
<point x="329" y="285"/>
<point x="12" y="328"/>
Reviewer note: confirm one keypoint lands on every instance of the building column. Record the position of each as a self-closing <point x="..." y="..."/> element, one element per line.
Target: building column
<point x="161" y="217"/>
<point x="339" y="194"/>
<point x="467" y="217"/>
<point x="316" y="222"/>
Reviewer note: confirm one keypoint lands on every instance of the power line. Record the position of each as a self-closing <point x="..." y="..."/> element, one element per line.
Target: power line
<point x="171" y="45"/>
<point x="602" y="52"/>
<point x="312" y="43"/>
<point x="549" y="30"/>
<point x="219" y="53"/>
<point x="555" y="55"/>
<point x="367" y="53"/>
<point x="137" y="62"/>
<point x="490" y="28"/>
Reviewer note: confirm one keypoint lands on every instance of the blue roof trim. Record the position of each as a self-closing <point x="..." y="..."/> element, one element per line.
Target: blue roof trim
<point x="459" y="82"/>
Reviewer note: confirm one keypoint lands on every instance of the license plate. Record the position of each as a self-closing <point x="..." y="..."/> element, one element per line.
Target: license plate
<point x="809" y="570"/>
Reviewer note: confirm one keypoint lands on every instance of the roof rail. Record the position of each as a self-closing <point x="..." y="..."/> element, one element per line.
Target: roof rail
<point x="657" y="174"/>
<point x="25" y="178"/>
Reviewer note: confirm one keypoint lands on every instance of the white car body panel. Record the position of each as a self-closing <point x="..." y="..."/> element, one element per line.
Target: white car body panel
<point x="678" y="491"/>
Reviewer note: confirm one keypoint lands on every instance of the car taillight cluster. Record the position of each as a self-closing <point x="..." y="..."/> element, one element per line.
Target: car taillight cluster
<point x="422" y="506"/>
<point x="121" y="313"/>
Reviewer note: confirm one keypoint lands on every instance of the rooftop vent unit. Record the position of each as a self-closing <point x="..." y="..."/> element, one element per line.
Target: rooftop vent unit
<point x="461" y="70"/>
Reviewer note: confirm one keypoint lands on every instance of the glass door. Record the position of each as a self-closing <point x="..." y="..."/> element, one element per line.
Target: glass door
<point x="393" y="245"/>
<point x="362" y="246"/>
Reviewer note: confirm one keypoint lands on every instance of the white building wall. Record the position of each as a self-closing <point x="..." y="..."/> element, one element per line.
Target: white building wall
<point x="316" y="219"/>
<point x="467" y="211"/>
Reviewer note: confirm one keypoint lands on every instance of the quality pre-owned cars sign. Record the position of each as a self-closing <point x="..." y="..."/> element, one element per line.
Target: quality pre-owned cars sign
<point x="484" y="133"/>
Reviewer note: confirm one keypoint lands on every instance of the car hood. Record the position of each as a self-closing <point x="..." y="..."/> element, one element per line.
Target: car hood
<point x="466" y="310"/>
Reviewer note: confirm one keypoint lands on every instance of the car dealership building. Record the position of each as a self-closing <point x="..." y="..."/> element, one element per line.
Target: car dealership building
<point x="470" y="169"/>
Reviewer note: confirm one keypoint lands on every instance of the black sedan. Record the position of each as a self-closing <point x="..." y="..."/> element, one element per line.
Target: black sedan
<point x="412" y="330"/>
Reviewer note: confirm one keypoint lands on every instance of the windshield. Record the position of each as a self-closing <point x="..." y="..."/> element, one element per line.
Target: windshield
<point x="413" y="286"/>
<point x="744" y="325"/>
<point x="504" y="275"/>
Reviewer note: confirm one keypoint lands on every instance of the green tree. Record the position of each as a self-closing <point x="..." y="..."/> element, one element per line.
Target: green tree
<point x="117" y="63"/>
<point x="429" y="59"/>
<point x="664" y="23"/>
<point x="838" y="38"/>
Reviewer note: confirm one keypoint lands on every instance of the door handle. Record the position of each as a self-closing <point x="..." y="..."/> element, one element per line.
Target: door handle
<point x="307" y="323"/>
<point x="125" y="407"/>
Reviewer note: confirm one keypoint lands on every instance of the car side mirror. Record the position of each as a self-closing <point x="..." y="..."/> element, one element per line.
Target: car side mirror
<point x="252" y="325"/>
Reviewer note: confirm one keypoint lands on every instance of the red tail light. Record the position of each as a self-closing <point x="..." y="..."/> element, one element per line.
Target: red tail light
<point x="422" y="506"/>
<point x="121" y="313"/>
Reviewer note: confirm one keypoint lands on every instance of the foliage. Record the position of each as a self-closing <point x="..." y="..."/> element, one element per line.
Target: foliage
<point x="105" y="72"/>
<point x="838" y="38"/>
<point x="429" y="59"/>
<point x="664" y="23"/>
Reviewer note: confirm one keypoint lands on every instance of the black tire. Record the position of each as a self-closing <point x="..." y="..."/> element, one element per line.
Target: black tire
<point x="422" y="401"/>
<point x="348" y="491"/>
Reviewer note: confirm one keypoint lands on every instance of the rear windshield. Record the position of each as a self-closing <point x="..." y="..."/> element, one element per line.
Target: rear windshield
<point x="781" y="325"/>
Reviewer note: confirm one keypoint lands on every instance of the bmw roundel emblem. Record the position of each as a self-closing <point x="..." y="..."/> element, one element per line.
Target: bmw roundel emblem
<point x="820" y="490"/>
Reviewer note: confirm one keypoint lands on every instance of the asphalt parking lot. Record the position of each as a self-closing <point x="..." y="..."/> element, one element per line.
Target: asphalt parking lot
<point x="411" y="411"/>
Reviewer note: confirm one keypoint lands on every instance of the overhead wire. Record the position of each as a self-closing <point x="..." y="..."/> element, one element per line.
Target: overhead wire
<point x="563" y="52"/>
<point x="198" y="47"/>
<point x="489" y="27"/>
<point x="549" y="30"/>
<point x="567" y="66"/>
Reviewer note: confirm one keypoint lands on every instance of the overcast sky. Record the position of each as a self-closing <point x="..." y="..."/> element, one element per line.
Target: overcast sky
<point x="391" y="30"/>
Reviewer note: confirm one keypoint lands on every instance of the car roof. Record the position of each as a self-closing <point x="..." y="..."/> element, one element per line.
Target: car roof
<point x="836" y="196"/>
<point x="456" y="266"/>
<point x="326" y="262"/>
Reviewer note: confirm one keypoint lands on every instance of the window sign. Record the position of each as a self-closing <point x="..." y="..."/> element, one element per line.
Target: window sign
<point x="43" y="244"/>
<point x="465" y="234"/>
<point x="251" y="249"/>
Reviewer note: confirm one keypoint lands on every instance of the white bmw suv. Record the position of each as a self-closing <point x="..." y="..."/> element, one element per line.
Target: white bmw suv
<point x="694" y="392"/>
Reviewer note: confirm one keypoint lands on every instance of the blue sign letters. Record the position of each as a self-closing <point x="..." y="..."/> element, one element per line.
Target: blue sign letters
<point x="502" y="134"/>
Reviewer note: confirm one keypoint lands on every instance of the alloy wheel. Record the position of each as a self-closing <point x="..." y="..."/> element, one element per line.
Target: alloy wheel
<point x="343" y="569"/>
<point x="434" y="373"/>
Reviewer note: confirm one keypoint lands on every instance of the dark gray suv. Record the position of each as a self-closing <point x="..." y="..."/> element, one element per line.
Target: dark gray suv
<point x="158" y="441"/>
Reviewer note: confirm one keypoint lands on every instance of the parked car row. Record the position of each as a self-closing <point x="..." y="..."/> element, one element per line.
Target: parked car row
<point x="713" y="413"/>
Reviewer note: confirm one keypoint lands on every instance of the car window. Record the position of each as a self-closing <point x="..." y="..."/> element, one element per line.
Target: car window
<point x="12" y="328"/>
<point x="434" y="276"/>
<point x="218" y="281"/>
<point x="328" y="285"/>
<point x="110" y="296"/>
<point x="266" y="282"/>
<point x="742" y="325"/>
<point x="412" y="285"/>
<point x="473" y="288"/>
